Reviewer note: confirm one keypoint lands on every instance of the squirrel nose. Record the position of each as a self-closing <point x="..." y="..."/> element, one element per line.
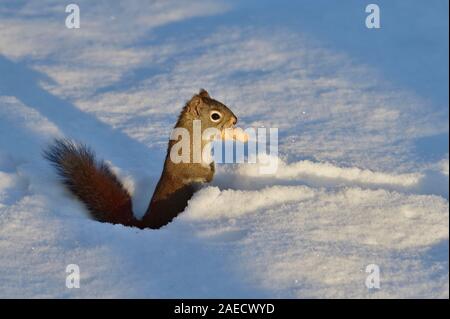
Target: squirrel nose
<point x="234" y="120"/>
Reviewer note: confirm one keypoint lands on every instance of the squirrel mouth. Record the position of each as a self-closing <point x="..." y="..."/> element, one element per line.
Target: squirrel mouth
<point x="230" y="132"/>
<point x="227" y="126"/>
<point x="230" y="124"/>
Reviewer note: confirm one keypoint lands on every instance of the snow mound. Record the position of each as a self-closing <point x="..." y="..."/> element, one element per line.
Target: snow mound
<point x="357" y="182"/>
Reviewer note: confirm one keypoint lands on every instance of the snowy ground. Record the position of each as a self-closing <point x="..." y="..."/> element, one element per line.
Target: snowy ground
<point x="363" y="122"/>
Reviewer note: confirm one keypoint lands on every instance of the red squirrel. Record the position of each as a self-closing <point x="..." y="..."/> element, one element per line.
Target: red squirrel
<point x="93" y="182"/>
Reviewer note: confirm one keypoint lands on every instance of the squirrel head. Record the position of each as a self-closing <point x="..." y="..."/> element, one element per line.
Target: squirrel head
<point x="210" y="112"/>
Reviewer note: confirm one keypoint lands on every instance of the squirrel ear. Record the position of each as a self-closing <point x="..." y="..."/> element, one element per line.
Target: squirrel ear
<point x="203" y="93"/>
<point x="193" y="106"/>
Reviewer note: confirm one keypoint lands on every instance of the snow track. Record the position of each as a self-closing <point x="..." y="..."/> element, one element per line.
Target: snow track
<point x="351" y="189"/>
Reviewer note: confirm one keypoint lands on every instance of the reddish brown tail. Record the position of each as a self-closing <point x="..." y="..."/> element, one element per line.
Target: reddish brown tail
<point x="92" y="182"/>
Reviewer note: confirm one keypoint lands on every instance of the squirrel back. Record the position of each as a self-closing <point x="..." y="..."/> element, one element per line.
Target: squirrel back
<point x="93" y="182"/>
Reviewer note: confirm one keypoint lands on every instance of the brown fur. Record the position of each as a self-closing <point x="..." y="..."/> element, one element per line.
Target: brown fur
<point x="94" y="184"/>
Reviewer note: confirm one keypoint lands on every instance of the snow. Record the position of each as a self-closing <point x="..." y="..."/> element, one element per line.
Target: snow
<point x="363" y="157"/>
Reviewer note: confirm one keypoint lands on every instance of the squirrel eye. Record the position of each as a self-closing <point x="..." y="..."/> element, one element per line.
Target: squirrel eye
<point x="215" y="116"/>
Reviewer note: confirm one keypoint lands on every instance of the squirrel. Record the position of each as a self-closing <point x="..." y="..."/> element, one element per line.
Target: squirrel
<point x="93" y="182"/>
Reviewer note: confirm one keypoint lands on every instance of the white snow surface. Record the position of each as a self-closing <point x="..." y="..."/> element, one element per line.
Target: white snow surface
<point x="350" y="189"/>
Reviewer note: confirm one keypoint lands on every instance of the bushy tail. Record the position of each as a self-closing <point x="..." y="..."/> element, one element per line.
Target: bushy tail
<point x="92" y="182"/>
